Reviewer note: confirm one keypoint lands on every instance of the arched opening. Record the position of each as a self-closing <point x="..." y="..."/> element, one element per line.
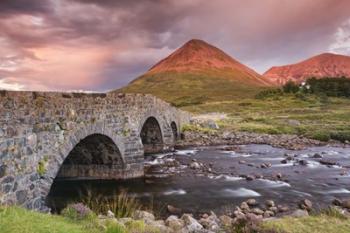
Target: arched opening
<point x="174" y="130"/>
<point x="92" y="162"/>
<point x="91" y="158"/>
<point x="151" y="136"/>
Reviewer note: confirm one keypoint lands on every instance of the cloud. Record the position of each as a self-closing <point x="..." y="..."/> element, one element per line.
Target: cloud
<point x="101" y="45"/>
<point x="341" y="42"/>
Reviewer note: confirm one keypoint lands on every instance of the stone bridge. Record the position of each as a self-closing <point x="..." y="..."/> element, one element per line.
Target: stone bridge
<point x="44" y="136"/>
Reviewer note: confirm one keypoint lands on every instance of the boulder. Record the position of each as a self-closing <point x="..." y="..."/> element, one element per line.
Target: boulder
<point x="299" y="213"/>
<point x="110" y="214"/>
<point x="337" y="202"/>
<point x="268" y="214"/>
<point x="251" y="202"/>
<point x="195" y="165"/>
<point x="305" y="204"/>
<point x="143" y="215"/>
<point x="174" y="210"/>
<point x="226" y="220"/>
<point x="317" y="156"/>
<point x="257" y="211"/>
<point x="174" y="223"/>
<point x="270" y="203"/>
<point x="244" y="206"/>
<point x="191" y="224"/>
<point x="328" y="162"/>
<point x="345" y="203"/>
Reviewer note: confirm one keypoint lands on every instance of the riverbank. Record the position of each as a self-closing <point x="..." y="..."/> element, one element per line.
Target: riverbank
<point x="194" y="135"/>
<point x="18" y="220"/>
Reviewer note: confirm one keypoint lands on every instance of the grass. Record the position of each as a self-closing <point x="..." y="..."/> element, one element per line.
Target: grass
<point x="18" y="220"/>
<point x="121" y="204"/>
<point x="284" y="114"/>
<point x="323" y="223"/>
<point x="186" y="89"/>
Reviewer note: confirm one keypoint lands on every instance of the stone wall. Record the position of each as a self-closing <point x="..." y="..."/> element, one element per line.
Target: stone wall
<point x="38" y="131"/>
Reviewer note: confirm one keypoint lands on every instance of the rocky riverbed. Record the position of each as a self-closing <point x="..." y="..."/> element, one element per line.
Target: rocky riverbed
<point x="223" y="137"/>
<point x="249" y="182"/>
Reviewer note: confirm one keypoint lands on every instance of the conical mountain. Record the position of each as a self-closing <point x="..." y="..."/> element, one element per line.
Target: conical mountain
<point x="323" y="65"/>
<point x="198" y="72"/>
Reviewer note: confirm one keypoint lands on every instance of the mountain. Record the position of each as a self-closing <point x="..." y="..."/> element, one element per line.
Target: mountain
<point x="323" y="65"/>
<point x="198" y="72"/>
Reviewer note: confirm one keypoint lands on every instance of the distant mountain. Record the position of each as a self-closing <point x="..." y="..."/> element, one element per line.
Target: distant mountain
<point x="198" y="72"/>
<point x="323" y="65"/>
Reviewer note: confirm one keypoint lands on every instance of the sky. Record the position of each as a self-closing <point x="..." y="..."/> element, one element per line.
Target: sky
<point x="94" y="45"/>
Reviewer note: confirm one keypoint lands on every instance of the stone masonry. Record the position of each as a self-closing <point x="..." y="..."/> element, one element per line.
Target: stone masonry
<point x="38" y="130"/>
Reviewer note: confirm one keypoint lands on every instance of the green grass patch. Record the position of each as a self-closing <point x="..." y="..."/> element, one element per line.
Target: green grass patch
<point x="323" y="223"/>
<point x="289" y="114"/>
<point x="18" y="220"/>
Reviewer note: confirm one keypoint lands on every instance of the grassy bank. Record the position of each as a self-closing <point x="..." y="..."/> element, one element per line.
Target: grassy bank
<point x="311" y="224"/>
<point x="309" y="115"/>
<point x="19" y="220"/>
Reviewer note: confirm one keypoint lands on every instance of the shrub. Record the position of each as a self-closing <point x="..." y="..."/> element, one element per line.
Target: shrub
<point x="334" y="213"/>
<point x="290" y="87"/>
<point x="122" y="204"/>
<point x="116" y="228"/>
<point x="341" y="136"/>
<point x="337" y="87"/>
<point x="321" y="136"/>
<point x="269" y="93"/>
<point x="77" y="211"/>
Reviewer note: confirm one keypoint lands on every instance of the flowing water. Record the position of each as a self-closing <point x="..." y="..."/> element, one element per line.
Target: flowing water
<point x="219" y="191"/>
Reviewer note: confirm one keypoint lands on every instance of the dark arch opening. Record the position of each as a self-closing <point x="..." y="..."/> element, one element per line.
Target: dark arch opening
<point x="90" y="157"/>
<point x="151" y="136"/>
<point x="174" y="130"/>
<point x="95" y="159"/>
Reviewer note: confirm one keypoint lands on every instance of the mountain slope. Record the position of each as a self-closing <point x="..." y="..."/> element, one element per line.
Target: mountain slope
<point x="198" y="72"/>
<point x="323" y="65"/>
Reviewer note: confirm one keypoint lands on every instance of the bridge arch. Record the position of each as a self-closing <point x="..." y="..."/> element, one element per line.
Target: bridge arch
<point x="94" y="157"/>
<point x="174" y="130"/>
<point x="151" y="135"/>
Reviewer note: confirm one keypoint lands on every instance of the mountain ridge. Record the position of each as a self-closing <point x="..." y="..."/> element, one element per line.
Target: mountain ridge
<point x="319" y="66"/>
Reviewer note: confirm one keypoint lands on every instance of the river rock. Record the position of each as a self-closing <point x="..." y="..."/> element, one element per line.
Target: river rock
<point x="303" y="162"/>
<point x="305" y="204"/>
<point x="282" y="208"/>
<point x="195" y="165"/>
<point x="143" y="215"/>
<point x="345" y="203"/>
<point x="244" y="206"/>
<point x="250" y="177"/>
<point x="299" y="213"/>
<point x="209" y="224"/>
<point x="253" y="218"/>
<point x="257" y="211"/>
<point x="268" y="214"/>
<point x="174" y="210"/>
<point x="192" y="225"/>
<point x="226" y="220"/>
<point x="251" y="202"/>
<point x="284" y="161"/>
<point x="174" y="223"/>
<point x="328" y="162"/>
<point x="270" y="203"/>
<point x="110" y="214"/>
<point x="337" y="202"/>
<point x="317" y="156"/>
